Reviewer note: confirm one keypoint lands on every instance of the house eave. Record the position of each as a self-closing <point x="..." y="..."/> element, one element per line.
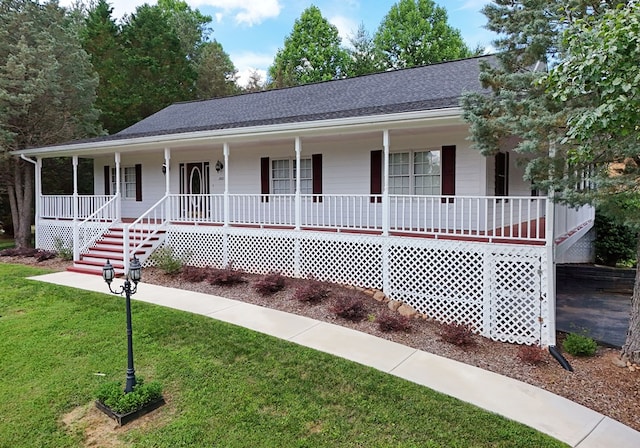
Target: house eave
<point x="445" y="116"/>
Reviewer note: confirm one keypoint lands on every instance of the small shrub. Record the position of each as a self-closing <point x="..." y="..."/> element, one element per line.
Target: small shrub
<point x="579" y="345"/>
<point x="312" y="292"/>
<point x="194" y="274"/>
<point x="112" y="395"/>
<point x="227" y="276"/>
<point x="64" y="251"/>
<point x="389" y="322"/>
<point x="457" y="334"/>
<point x="350" y="307"/>
<point x="270" y="284"/>
<point x="532" y="354"/>
<point x="166" y="259"/>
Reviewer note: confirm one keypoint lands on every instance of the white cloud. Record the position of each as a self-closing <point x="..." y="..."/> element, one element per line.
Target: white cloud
<point x="248" y="61"/>
<point x="245" y="12"/>
<point x="346" y="27"/>
<point x="475" y="5"/>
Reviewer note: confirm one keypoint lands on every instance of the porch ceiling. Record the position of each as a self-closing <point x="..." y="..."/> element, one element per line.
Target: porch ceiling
<point x="350" y="128"/>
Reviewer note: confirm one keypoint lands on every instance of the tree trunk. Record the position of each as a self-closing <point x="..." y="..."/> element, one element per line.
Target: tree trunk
<point x="631" y="348"/>
<point x="20" y="191"/>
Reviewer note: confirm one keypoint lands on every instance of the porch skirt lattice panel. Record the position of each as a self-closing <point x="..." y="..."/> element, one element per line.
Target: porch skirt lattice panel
<point x="500" y="290"/>
<point x="50" y="233"/>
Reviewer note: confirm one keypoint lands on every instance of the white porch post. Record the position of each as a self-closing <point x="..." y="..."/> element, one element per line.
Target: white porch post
<point x="298" y="209"/>
<point x="38" y="205"/>
<point x="225" y="153"/>
<point x="76" y="230"/>
<point x="117" y="192"/>
<point x="298" y="200"/>
<point x="386" y="263"/>
<point x="550" y="270"/>
<point x="167" y="181"/>
<point x="385" y="185"/>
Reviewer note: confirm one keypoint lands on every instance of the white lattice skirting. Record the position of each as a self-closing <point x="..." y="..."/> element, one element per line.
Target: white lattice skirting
<point x="501" y="290"/>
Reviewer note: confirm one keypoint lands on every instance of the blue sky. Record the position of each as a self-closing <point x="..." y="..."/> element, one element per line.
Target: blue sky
<point x="252" y="31"/>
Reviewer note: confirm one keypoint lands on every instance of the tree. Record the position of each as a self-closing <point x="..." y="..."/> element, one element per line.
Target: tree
<point x="157" y="70"/>
<point x="255" y="83"/>
<point x="47" y="94"/>
<point x="311" y="53"/>
<point x="598" y="82"/>
<point x="364" y="57"/>
<point x="215" y="73"/>
<point x="189" y="25"/>
<point x="575" y="126"/>
<point x="100" y="37"/>
<point x="416" y="32"/>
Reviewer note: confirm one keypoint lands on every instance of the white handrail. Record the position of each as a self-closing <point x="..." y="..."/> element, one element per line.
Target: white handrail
<point x="140" y="231"/>
<point x="80" y="243"/>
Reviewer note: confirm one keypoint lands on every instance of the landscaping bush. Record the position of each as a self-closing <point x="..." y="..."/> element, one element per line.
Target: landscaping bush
<point x="532" y="354"/>
<point x="270" y="284"/>
<point x="389" y="322"/>
<point x="227" y="276"/>
<point x="457" y="334"/>
<point x="579" y="345"/>
<point x="195" y="274"/>
<point x="166" y="259"/>
<point x="615" y="243"/>
<point x="64" y="251"/>
<point x="112" y="395"/>
<point x="350" y="307"/>
<point x="312" y="292"/>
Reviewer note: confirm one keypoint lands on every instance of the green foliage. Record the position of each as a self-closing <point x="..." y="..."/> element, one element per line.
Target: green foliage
<point x="579" y="345"/>
<point x="364" y="57"/>
<point x="615" y="242"/>
<point x="216" y="74"/>
<point x="47" y="95"/>
<point x="112" y="395"/>
<point x="167" y="259"/>
<point x="64" y="251"/>
<point x="227" y="386"/>
<point x="416" y="32"/>
<point x="311" y="53"/>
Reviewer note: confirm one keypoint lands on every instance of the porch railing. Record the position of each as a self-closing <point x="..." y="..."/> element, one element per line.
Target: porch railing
<point x="568" y="219"/>
<point x="487" y="217"/>
<point x="93" y="226"/>
<point x="145" y="228"/>
<point x="62" y="206"/>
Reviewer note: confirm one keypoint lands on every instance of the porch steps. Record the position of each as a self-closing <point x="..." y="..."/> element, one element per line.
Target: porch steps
<point x="110" y="247"/>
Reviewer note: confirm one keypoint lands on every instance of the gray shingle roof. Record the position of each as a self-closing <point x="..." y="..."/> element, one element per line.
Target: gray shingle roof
<point x="422" y="88"/>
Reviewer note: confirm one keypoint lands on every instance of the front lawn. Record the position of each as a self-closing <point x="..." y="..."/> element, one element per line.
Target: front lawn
<point x="226" y="386"/>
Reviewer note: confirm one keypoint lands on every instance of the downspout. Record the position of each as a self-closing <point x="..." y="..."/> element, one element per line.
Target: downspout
<point x="38" y="187"/>
<point x="386" y="270"/>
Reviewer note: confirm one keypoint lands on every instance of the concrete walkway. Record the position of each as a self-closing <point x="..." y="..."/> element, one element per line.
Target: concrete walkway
<point x="562" y="419"/>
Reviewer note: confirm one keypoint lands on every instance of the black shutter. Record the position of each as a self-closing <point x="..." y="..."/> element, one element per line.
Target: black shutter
<point x="107" y="180"/>
<point x="502" y="174"/>
<point x="138" y="182"/>
<point x="264" y="178"/>
<point x="316" y="166"/>
<point x="376" y="176"/>
<point x="448" y="167"/>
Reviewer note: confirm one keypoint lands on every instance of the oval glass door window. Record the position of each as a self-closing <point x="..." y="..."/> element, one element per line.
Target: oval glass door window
<point x="195" y="181"/>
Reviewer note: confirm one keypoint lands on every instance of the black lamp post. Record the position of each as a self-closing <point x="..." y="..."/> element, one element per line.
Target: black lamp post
<point x="133" y="275"/>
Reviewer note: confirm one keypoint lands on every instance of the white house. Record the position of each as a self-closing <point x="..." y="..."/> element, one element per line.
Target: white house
<point x="369" y="181"/>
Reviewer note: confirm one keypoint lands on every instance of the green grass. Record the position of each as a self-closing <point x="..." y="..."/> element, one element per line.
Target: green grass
<point x="226" y="386"/>
<point x="6" y="243"/>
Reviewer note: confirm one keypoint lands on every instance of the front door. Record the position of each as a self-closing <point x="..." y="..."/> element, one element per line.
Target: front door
<point x="194" y="185"/>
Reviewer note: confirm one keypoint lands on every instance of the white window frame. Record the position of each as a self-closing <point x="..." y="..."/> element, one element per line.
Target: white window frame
<point x="124" y="181"/>
<point x="306" y="183"/>
<point x="409" y="174"/>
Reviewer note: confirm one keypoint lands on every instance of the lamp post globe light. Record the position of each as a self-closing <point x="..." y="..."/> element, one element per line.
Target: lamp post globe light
<point x="134" y="276"/>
